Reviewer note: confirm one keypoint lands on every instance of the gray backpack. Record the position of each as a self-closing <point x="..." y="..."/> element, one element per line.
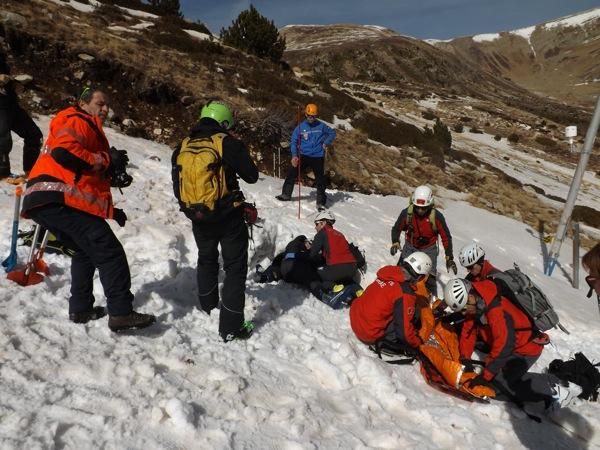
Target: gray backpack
<point x="519" y="289"/>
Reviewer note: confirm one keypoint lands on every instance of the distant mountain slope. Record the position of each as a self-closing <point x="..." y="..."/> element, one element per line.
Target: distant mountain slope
<point x="560" y="59"/>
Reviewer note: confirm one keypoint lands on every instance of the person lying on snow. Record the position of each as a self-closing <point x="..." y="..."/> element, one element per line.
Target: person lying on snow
<point x="293" y="265"/>
<point x="394" y="315"/>
<point x="511" y="342"/>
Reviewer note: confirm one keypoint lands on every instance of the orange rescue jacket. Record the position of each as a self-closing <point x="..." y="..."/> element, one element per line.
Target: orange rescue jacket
<point x="71" y="169"/>
<point x="503" y="326"/>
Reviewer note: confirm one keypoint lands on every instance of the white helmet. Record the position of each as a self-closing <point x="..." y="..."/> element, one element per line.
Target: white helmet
<point x="456" y="293"/>
<point x="325" y="215"/>
<point x="470" y="254"/>
<point x="423" y="196"/>
<point x="420" y="262"/>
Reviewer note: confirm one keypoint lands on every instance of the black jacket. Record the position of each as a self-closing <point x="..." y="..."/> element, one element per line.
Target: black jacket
<point x="236" y="157"/>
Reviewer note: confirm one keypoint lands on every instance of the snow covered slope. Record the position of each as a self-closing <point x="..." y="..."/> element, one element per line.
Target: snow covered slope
<point x="302" y="381"/>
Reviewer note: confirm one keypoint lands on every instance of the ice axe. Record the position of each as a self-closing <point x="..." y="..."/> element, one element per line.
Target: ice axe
<point x="11" y="261"/>
<point x="29" y="275"/>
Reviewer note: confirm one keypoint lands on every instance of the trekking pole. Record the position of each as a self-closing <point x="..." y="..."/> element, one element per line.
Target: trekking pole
<point x="298" y="152"/>
<point x="28" y="276"/>
<point x="11" y="261"/>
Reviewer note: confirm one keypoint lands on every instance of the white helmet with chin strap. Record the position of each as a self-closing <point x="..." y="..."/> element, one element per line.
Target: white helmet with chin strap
<point x="456" y="293"/>
<point x="470" y="254"/>
<point x="423" y="196"/>
<point x="419" y="262"/>
<point x="325" y="215"/>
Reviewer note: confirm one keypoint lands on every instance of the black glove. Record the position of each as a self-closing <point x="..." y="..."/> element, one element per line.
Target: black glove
<point x="479" y="381"/>
<point x="118" y="160"/>
<point x="119" y="216"/>
<point x="451" y="265"/>
<point x="394" y="248"/>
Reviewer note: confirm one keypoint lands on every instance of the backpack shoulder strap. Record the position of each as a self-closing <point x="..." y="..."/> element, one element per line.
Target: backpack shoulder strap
<point x="432" y="220"/>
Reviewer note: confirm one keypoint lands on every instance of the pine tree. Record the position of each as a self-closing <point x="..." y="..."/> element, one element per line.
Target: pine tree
<point x="253" y="33"/>
<point x="442" y="134"/>
<point x="167" y="7"/>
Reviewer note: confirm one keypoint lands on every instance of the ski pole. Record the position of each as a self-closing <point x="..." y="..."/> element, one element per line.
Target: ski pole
<point x="299" y="153"/>
<point x="11" y="261"/>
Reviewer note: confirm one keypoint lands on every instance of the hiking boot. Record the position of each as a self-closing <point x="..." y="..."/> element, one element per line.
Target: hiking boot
<point x="283" y="198"/>
<point x="242" y="334"/>
<point x="129" y="321"/>
<point x="321" y="207"/>
<point x="97" y="312"/>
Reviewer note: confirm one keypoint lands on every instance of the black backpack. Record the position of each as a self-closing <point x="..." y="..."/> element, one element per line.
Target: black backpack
<point x="580" y="371"/>
<point x="519" y="289"/>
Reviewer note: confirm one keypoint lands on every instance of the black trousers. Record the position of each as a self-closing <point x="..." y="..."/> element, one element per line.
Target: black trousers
<point x="96" y="247"/>
<point x="332" y="275"/>
<point x="318" y="167"/>
<point x="232" y="235"/>
<point x="16" y="119"/>
<point x="302" y="273"/>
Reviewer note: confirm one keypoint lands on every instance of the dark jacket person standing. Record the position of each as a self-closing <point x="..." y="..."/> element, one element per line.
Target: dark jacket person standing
<point x="68" y="192"/>
<point x="224" y="225"/>
<point x="14" y="118"/>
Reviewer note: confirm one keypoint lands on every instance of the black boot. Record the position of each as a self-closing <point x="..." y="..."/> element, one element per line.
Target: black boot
<point x="131" y="320"/>
<point x="97" y="312"/>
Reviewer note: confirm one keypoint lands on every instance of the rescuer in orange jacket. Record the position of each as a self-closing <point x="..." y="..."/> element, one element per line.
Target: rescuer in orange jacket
<point x="508" y="333"/>
<point x="472" y="258"/>
<point x="388" y="307"/>
<point x="68" y="192"/>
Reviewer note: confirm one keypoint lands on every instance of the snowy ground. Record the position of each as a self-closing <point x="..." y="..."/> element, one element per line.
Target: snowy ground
<point x="302" y="381"/>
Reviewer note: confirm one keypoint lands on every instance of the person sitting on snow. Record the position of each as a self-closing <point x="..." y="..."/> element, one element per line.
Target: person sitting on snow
<point x="513" y="344"/>
<point x="472" y="258"/>
<point x="331" y="252"/>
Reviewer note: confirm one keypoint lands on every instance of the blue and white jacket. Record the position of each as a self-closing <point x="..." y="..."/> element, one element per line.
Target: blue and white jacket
<point x="312" y="137"/>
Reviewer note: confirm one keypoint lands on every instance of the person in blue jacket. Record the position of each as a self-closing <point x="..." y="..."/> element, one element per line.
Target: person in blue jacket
<point x="310" y="140"/>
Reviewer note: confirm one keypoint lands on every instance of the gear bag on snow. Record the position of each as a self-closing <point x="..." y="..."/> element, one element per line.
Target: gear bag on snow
<point x="578" y="370"/>
<point x="199" y="178"/>
<point x="519" y="289"/>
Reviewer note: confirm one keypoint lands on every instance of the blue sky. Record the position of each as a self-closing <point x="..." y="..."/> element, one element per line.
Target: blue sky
<point x="439" y="19"/>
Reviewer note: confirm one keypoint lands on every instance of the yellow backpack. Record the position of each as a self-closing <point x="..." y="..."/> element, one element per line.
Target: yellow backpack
<point x="200" y="175"/>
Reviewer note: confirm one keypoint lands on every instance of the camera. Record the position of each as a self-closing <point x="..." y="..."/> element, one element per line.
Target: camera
<point x="119" y="177"/>
<point x="422" y="240"/>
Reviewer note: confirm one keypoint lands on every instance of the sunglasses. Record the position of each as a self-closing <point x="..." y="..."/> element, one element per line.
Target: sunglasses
<point x="591" y="281"/>
<point x="311" y="117"/>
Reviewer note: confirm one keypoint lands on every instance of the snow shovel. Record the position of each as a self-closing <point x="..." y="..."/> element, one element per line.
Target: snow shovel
<point x="28" y="276"/>
<point x="39" y="264"/>
<point x="11" y="262"/>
